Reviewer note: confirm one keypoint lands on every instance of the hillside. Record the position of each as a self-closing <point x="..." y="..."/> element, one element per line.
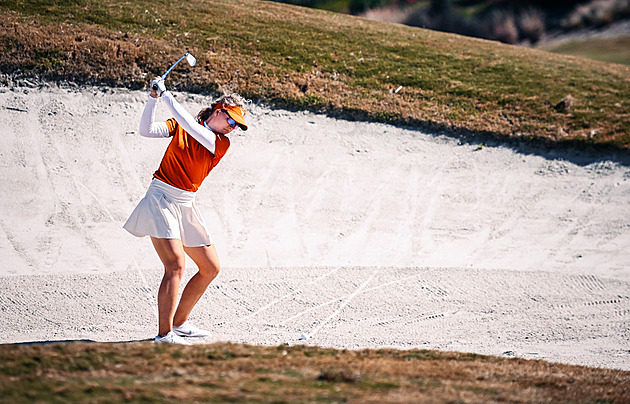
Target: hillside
<point x="299" y="58"/>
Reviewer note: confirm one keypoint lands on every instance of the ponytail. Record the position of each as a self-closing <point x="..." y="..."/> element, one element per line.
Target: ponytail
<point x="204" y="114"/>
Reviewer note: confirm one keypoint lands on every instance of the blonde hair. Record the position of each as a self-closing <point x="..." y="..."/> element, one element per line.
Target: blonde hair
<point x="229" y="99"/>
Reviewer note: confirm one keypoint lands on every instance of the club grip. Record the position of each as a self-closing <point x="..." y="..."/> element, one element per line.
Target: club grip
<point x="158" y="86"/>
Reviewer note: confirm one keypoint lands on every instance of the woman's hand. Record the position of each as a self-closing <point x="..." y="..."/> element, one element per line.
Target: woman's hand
<point x="157" y="87"/>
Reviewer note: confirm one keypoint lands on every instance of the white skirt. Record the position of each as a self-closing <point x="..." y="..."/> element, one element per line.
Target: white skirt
<point x="169" y="212"/>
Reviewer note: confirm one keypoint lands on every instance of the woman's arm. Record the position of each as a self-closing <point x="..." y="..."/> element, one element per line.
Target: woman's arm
<point x="205" y="136"/>
<point x="148" y="128"/>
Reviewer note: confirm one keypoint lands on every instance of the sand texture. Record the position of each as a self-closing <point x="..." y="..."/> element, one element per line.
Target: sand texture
<point x="356" y="234"/>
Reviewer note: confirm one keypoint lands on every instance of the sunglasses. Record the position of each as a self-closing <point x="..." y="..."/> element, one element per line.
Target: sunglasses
<point x="230" y="121"/>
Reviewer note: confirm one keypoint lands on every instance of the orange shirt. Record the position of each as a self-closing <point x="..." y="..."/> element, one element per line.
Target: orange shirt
<point x="186" y="163"/>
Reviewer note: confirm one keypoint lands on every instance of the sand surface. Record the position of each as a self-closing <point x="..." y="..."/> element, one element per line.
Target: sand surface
<point x="356" y="234"/>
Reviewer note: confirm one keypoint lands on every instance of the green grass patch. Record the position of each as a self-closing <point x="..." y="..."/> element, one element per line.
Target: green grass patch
<point x="611" y="50"/>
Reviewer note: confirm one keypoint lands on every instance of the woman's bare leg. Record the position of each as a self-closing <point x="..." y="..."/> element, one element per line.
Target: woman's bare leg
<point x="207" y="260"/>
<point x="171" y="253"/>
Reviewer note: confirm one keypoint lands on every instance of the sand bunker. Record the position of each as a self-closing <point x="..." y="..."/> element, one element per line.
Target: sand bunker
<point x="357" y="234"/>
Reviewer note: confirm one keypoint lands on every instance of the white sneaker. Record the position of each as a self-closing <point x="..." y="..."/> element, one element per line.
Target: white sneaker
<point x="171" y="338"/>
<point x="190" y="330"/>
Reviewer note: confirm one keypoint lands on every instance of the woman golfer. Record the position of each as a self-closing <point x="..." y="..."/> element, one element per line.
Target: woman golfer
<point x="168" y="212"/>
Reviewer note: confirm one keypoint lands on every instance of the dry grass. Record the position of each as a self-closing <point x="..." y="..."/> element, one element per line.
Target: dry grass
<point x="145" y="372"/>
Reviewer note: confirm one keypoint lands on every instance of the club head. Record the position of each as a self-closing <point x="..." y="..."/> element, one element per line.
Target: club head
<point x="191" y="59"/>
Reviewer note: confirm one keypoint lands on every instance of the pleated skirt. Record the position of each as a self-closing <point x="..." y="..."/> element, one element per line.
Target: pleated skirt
<point x="169" y="212"/>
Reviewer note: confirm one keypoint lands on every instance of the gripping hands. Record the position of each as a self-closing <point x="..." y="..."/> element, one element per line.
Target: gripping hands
<point x="158" y="86"/>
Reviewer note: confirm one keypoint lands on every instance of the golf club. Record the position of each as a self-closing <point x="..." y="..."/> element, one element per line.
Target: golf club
<point x="159" y="86"/>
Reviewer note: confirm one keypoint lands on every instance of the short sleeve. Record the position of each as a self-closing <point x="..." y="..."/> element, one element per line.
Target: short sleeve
<point x="172" y="126"/>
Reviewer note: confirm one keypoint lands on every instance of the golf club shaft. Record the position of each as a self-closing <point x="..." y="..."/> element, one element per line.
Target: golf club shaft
<point x="171" y="68"/>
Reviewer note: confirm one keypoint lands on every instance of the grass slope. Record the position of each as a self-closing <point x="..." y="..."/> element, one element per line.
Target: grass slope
<point x="302" y="58"/>
<point x="145" y="372"/>
<point x="612" y="50"/>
